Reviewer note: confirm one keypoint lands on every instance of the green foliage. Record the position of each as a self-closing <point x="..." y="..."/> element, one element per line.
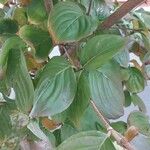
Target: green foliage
<point x="141" y="121"/>
<point x="106" y="88"/>
<point x="85" y="140"/>
<point x="20" y="16"/>
<point x="8" y="26"/>
<point x="37" y="39"/>
<point x="5" y="123"/>
<point x="53" y="97"/>
<point x="36" y="12"/>
<point x="135" y="83"/>
<point x="81" y="100"/>
<point x="20" y="80"/>
<point x="3" y="1"/>
<point x="100" y="49"/>
<point x="69" y="23"/>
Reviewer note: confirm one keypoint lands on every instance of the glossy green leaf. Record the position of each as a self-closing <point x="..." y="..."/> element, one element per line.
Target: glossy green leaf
<point x="141" y="121"/>
<point x="141" y="142"/>
<point x="20" y="16"/>
<point x="9" y="104"/>
<point x="123" y="58"/>
<point x="5" y="123"/>
<point x="67" y="131"/>
<point x="107" y="91"/>
<point x="38" y="39"/>
<point x="125" y="74"/>
<point x="36" y="12"/>
<point x="68" y="23"/>
<point x="5" y="36"/>
<point x="146" y="40"/>
<point x="34" y="127"/>
<point x="20" y="80"/>
<point x="8" y="26"/>
<point x="10" y="43"/>
<point x="90" y="140"/>
<point x="56" y="88"/>
<point x="137" y="101"/>
<point x="135" y="83"/>
<point x="128" y="98"/>
<point x="119" y="126"/>
<point x="108" y="145"/>
<point x="99" y="9"/>
<point x="81" y="101"/>
<point x="145" y="16"/>
<point x="90" y="121"/>
<point x="100" y="49"/>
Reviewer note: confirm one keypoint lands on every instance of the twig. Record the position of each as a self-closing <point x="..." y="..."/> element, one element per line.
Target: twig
<point x="120" y="12"/>
<point x="121" y="140"/>
<point x="89" y="9"/>
<point x="48" y="5"/>
<point x="68" y="56"/>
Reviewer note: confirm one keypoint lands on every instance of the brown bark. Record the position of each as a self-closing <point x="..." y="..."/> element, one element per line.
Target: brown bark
<point x="120" y="13"/>
<point x="121" y="140"/>
<point x="48" y="5"/>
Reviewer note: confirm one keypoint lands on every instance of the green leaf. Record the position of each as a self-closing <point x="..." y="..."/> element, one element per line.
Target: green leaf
<point x="67" y="131"/>
<point x="2" y="13"/>
<point x="3" y="1"/>
<point x="81" y="101"/>
<point x="141" y="142"/>
<point x="123" y="58"/>
<point x="125" y="74"/>
<point x="141" y="121"/>
<point x="5" y="123"/>
<point x="38" y="39"/>
<point x="107" y="91"/>
<point x="90" y="121"/>
<point x="56" y="88"/>
<point x="36" y="12"/>
<point x="90" y="140"/>
<point x="20" y="80"/>
<point x="108" y="145"/>
<point x="145" y="16"/>
<point x="146" y="64"/>
<point x="34" y="127"/>
<point x="127" y="98"/>
<point x="135" y="83"/>
<point x="99" y="9"/>
<point x="119" y="126"/>
<point x="5" y="36"/>
<point x="20" y="16"/>
<point x="10" y="43"/>
<point x="4" y="87"/>
<point x="9" y="104"/>
<point x="68" y="23"/>
<point x="8" y="26"/>
<point x="147" y="70"/>
<point x="137" y="101"/>
<point x="100" y="49"/>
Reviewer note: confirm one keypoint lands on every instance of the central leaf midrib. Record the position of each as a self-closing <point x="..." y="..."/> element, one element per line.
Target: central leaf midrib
<point x="97" y="55"/>
<point x="47" y="84"/>
<point x="71" y="24"/>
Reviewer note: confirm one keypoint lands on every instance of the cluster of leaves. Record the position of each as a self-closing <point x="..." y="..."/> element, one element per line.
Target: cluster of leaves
<point x="52" y="95"/>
